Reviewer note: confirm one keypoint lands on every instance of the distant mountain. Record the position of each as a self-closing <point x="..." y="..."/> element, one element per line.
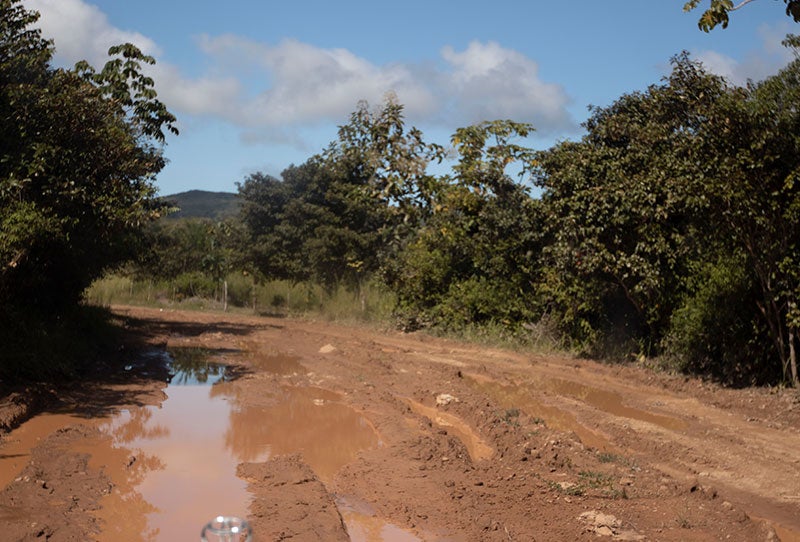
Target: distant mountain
<point x="204" y="204"/>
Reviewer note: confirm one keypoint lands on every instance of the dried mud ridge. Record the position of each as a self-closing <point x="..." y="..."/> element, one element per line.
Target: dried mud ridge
<point x="472" y="443"/>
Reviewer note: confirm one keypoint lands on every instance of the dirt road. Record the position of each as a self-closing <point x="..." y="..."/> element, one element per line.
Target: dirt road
<point x="343" y="433"/>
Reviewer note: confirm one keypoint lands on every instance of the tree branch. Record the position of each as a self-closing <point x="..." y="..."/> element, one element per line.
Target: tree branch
<point x="744" y="3"/>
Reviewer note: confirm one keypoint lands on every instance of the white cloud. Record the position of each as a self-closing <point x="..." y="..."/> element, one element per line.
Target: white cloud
<point x="204" y="96"/>
<point x="489" y="82"/>
<point x="82" y="32"/>
<point x="757" y="65"/>
<point x="301" y="85"/>
<point x="310" y="84"/>
<point x="720" y="64"/>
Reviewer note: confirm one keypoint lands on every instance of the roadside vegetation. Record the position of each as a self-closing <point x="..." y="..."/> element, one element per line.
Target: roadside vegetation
<point x="669" y="231"/>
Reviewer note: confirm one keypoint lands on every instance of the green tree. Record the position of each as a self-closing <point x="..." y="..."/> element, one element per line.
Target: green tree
<point x="472" y="259"/>
<point x="751" y="151"/>
<point x="621" y="204"/>
<point x="78" y="160"/>
<point x="79" y="154"/>
<point x="718" y="11"/>
<point x="337" y="217"/>
<point x="675" y="225"/>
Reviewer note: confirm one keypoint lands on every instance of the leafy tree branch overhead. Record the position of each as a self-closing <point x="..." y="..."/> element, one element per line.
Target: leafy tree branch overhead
<point x="718" y="10"/>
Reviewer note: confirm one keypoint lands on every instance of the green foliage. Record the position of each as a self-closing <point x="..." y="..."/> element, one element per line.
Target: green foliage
<point x="76" y="169"/>
<point x="79" y="154"/>
<point x="665" y="183"/>
<point x="715" y="330"/>
<point x="621" y="205"/>
<point x="336" y="217"/>
<point x="472" y="259"/>
<point x="718" y="10"/>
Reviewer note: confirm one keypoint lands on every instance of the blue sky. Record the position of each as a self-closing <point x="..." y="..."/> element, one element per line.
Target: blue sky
<point x="259" y="85"/>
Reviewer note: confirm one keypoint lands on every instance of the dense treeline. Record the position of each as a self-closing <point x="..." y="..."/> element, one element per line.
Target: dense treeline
<point x="669" y="230"/>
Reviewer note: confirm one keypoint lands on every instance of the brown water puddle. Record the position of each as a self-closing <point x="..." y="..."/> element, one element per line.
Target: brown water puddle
<point x="173" y="466"/>
<point x="477" y="448"/>
<point x="308" y="420"/>
<point x="364" y="526"/>
<point x="611" y="402"/>
<point x="521" y="398"/>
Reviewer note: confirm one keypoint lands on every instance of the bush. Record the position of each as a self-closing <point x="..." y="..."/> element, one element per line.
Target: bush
<point x="714" y="332"/>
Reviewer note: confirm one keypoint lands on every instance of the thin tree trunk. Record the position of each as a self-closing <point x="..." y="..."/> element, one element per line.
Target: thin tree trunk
<point x="793" y="359"/>
<point x="225" y="295"/>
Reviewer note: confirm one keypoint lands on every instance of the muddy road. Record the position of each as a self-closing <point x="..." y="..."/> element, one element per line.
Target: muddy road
<point x="314" y="431"/>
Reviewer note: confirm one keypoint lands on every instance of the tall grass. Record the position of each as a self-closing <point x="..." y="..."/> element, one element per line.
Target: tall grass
<point x="371" y="303"/>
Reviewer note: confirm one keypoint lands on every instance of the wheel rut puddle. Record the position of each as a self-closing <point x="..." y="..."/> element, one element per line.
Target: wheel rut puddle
<point x="477" y="448"/>
<point x="173" y="466"/>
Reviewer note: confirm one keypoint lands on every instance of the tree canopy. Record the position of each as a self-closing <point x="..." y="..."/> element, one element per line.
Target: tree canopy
<point x="78" y="156"/>
<point x="80" y="151"/>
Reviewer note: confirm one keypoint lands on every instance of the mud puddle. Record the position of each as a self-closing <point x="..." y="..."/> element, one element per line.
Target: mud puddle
<point x="173" y="466"/>
<point x="183" y="454"/>
<point x="517" y="397"/>
<point x="364" y="526"/>
<point x="477" y="448"/>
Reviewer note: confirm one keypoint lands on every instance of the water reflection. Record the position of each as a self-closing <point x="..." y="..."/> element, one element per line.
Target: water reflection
<point x="173" y="466"/>
<point x="190" y="366"/>
<point x="307" y="420"/>
<point x="169" y="469"/>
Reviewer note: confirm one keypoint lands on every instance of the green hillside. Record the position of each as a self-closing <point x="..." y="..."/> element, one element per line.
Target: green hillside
<point x="204" y="204"/>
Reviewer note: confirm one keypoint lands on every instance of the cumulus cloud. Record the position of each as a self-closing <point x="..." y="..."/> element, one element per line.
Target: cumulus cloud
<point x="82" y="32"/>
<point x="311" y="84"/>
<point x="756" y="66"/>
<point x="302" y="85"/>
<point x="487" y="81"/>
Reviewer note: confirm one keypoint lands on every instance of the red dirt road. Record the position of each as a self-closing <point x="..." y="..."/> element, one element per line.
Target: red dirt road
<point x="341" y="433"/>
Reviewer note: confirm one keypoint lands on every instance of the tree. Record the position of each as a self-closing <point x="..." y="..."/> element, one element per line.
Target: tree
<point x="80" y="151"/>
<point x="718" y="10"/>
<point x="751" y="149"/>
<point x="621" y="205"/>
<point x="471" y="260"/>
<point x="675" y="225"/>
<point x="337" y="217"/>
